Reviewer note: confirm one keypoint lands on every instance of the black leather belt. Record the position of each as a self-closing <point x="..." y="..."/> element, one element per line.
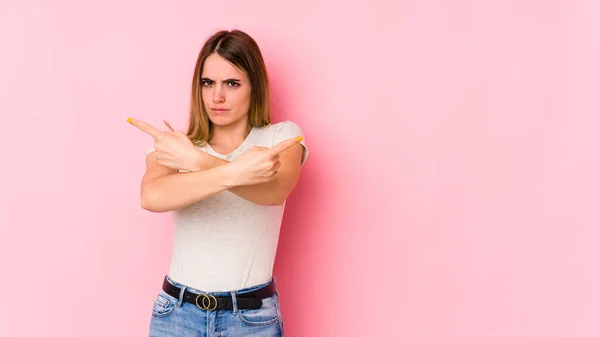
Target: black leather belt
<point x="206" y="301"/>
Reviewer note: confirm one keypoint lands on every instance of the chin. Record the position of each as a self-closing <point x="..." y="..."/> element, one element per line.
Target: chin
<point x="220" y="121"/>
<point x="223" y="120"/>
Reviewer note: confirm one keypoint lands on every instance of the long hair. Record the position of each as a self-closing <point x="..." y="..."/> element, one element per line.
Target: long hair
<point x="241" y="50"/>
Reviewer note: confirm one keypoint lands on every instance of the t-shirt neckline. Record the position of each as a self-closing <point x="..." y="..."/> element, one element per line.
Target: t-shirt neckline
<point x="237" y="149"/>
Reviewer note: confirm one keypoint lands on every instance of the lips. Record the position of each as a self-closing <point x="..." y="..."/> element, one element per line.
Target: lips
<point x="219" y="111"/>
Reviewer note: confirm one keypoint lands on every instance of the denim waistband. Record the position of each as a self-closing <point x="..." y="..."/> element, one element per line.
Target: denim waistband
<point x="220" y="293"/>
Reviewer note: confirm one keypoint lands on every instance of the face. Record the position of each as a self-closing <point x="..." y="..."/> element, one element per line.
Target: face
<point x="225" y="91"/>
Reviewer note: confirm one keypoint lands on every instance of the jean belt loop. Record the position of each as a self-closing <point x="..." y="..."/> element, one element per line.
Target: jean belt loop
<point x="181" y="293"/>
<point x="234" y="302"/>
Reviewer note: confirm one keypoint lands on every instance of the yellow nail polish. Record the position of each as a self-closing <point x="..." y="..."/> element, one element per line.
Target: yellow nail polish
<point x="129" y="120"/>
<point x="299" y="138"/>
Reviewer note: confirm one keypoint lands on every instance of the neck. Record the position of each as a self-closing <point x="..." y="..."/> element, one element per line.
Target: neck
<point x="230" y="135"/>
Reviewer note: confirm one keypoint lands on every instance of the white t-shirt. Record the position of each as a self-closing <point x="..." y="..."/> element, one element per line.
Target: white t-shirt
<point x="226" y="242"/>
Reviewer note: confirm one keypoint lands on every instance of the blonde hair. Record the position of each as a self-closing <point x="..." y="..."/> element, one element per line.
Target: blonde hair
<point x="241" y="50"/>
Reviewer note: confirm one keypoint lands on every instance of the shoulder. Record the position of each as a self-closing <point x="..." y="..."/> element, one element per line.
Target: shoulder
<point x="276" y="132"/>
<point x="285" y="128"/>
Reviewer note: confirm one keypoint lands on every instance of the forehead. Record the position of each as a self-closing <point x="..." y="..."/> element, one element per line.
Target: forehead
<point x="216" y="67"/>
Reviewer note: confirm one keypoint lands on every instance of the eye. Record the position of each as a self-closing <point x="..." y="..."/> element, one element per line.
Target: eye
<point x="233" y="84"/>
<point x="206" y="82"/>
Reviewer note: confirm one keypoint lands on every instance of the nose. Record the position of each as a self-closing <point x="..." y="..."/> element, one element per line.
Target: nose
<point x="218" y="95"/>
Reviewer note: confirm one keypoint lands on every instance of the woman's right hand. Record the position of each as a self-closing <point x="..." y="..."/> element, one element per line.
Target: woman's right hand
<point x="258" y="164"/>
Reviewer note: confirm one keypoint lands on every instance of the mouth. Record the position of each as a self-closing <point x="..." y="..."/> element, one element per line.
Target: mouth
<point x="219" y="111"/>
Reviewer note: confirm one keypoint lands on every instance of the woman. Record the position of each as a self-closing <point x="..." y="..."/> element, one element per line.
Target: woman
<point x="226" y="182"/>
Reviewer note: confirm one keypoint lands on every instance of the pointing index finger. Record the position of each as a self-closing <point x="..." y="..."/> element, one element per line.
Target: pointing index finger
<point x="286" y="144"/>
<point x="147" y="128"/>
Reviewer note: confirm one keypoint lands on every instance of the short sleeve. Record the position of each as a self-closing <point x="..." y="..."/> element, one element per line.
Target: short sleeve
<point x="286" y="130"/>
<point x="150" y="151"/>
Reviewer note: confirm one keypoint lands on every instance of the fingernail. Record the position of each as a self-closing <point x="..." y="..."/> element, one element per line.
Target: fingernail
<point x="129" y="120"/>
<point x="299" y="138"/>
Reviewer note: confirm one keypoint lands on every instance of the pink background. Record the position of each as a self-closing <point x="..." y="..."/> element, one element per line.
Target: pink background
<point x="452" y="187"/>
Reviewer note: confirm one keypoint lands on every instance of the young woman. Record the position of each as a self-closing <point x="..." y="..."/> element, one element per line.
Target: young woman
<point x="226" y="182"/>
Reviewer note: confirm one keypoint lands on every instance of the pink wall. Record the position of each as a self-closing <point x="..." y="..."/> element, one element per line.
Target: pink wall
<point x="451" y="190"/>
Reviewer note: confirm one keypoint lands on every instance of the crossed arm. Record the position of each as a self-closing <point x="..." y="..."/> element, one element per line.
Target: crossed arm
<point x="254" y="176"/>
<point x="164" y="189"/>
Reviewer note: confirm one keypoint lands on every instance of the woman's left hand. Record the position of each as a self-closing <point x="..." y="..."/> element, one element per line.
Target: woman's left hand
<point x="173" y="148"/>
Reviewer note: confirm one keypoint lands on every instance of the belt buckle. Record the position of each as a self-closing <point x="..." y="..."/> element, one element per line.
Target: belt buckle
<point x="206" y="302"/>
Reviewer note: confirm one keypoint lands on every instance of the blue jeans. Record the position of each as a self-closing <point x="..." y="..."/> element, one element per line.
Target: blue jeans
<point x="171" y="317"/>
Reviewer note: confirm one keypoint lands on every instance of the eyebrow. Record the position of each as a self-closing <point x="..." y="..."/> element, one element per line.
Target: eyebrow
<point x="227" y="80"/>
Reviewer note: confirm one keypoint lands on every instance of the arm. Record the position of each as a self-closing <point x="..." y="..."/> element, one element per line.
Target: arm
<point x="272" y="172"/>
<point x="270" y="193"/>
<point x="164" y="189"/>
